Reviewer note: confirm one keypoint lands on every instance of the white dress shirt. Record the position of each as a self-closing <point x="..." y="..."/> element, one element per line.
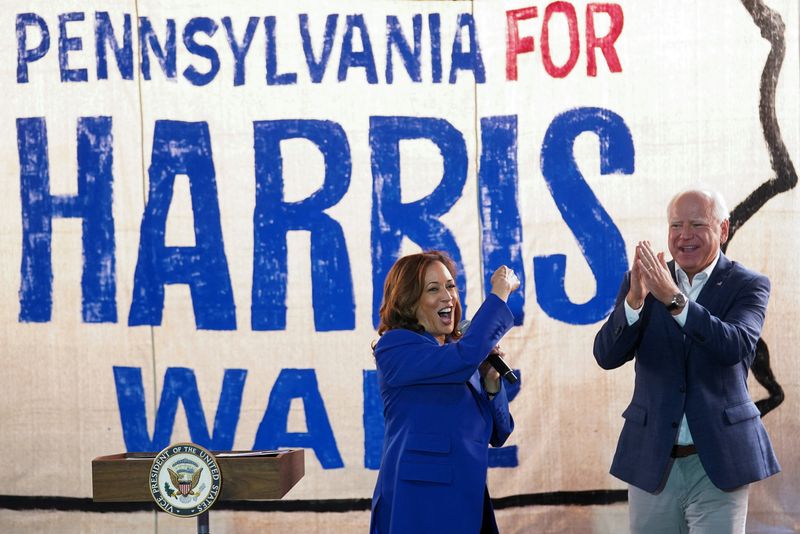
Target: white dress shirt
<point x="691" y="290"/>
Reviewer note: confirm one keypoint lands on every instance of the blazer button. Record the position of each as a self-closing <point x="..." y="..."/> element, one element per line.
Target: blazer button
<point x="617" y="330"/>
<point x="674" y="424"/>
<point x="683" y="389"/>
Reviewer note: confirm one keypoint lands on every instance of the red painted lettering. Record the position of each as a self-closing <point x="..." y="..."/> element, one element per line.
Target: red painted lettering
<point x="606" y="43"/>
<point x="515" y="45"/>
<point x="574" y="46"/>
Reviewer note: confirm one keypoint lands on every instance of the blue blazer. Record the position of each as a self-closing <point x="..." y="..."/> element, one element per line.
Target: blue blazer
<point x="439" y="424"/>
<point x="700" y="370"/>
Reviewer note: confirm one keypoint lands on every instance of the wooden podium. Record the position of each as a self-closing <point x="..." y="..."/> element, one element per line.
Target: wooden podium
<point x="246" y="475"/>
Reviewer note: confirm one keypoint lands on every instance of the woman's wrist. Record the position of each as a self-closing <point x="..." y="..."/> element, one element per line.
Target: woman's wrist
<point x="502" y="295"/>
<point x="492" y="388"/>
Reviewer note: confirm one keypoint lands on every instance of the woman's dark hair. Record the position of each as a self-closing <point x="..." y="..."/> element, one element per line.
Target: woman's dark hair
<point x="403" y="288"/>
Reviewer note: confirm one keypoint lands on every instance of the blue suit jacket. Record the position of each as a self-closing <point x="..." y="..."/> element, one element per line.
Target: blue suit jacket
<point x="439" y="423"/>
<point x="700" y="370"/>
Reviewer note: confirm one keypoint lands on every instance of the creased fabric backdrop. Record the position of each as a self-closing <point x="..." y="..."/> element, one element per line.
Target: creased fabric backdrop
<point x="200" y="202"/>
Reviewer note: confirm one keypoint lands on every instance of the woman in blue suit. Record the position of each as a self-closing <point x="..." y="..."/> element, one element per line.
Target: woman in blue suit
<point x="442" y="403"/>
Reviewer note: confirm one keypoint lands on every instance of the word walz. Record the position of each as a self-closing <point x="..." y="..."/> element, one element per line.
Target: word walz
<point x="180" y="386"/>
<point x="185" y="149"/>
<point x="301" y="50"/>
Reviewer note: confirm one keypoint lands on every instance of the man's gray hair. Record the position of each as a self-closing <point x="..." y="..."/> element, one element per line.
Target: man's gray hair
<point x="719" y="208"/>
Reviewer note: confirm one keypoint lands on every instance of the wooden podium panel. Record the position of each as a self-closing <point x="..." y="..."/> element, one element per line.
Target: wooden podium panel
<point x="246" y="475"/>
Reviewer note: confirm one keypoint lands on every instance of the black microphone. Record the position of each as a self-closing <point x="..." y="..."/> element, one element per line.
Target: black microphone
<point x="494" y="359"/>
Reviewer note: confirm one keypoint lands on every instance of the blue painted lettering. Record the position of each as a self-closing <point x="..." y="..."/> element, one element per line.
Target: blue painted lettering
<point x="93" y="204"/>
<point x="272" y="432"/>
<point x="598" y="237"/>
<point x="332" y="285"/>
<point x="419" y="220"/>
<point x="183" y="148"/>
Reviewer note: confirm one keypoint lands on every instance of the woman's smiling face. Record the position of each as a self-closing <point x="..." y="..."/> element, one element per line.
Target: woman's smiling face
<point x="436" y="304"/>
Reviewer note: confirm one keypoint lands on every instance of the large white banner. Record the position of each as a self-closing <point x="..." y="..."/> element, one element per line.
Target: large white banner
<point x="201" y="201"/>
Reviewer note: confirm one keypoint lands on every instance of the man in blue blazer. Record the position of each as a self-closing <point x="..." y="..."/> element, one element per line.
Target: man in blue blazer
<point x="692" y="439"/>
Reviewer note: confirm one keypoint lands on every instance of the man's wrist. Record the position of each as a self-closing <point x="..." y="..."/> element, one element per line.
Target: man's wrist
<point x="676" y="303"/>
<point x="633" y="303"/>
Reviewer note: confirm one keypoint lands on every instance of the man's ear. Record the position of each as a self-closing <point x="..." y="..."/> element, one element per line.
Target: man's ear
<point x="724" y="228"/>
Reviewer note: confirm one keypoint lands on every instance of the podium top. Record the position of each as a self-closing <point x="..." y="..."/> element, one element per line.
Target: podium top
<point x="246" y="475"/>
<point x="217" y="454"/>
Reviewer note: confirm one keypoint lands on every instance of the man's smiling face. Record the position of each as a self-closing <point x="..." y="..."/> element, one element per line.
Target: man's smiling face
<point x="695" y="235"/>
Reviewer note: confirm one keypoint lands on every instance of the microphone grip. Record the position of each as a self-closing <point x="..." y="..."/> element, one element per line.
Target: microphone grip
<point x="502" y="367"/>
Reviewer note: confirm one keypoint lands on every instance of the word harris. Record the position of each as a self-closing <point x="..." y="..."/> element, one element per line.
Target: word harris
<point x="356" y="50"/>
<point x="185" y="148"/>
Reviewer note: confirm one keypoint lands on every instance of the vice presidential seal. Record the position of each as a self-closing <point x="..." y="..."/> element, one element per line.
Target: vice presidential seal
<point x="185" y="479"/>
